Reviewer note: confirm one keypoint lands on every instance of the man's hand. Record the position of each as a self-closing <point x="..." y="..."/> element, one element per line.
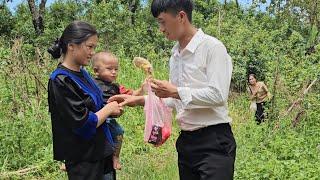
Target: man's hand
<point x="127" y="100"/>
<point x="164" y="89"/>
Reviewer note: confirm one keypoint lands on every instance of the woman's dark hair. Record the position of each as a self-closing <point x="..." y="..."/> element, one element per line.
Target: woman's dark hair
<point x="76" y="32"/>
<point x="172" y="6"/>
<point x="253" y="75"/>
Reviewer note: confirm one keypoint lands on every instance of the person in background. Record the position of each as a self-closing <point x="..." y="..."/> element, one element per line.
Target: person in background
<point x="259" y="94"/>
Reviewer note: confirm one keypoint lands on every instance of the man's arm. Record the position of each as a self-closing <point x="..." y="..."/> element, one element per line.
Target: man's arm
<point x="128" y="100"/>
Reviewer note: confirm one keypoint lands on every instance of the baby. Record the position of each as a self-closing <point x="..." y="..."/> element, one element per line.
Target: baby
<point x="105" y="66"/>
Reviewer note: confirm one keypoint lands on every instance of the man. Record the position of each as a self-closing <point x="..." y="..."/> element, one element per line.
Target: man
<point x="200" y="75"/>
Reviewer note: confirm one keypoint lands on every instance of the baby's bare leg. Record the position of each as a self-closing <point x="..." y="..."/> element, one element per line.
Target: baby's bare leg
<point x="116" y="155"/>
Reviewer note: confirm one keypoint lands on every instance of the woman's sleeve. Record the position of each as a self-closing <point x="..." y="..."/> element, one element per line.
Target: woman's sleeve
<point x="72" y="108"/>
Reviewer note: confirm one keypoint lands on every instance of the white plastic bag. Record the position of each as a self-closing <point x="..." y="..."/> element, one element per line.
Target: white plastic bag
<point x="253" y="106"/>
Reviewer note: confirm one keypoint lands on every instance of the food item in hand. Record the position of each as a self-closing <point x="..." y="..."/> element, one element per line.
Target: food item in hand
<point x="144" y="64"/>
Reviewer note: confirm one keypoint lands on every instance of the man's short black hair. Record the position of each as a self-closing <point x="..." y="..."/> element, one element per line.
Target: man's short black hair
<point x="172" y="6"/>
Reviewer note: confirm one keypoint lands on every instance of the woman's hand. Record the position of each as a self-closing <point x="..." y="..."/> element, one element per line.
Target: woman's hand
<point x="115" y="108"/>
<point x="111" y="109"/>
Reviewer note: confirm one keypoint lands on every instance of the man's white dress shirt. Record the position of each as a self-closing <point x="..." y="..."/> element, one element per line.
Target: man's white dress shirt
<point x="202" y="72"/>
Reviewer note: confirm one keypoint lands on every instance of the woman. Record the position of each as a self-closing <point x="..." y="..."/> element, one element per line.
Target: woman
<point x="259" y="94"/>
<point x="80" y="137"/>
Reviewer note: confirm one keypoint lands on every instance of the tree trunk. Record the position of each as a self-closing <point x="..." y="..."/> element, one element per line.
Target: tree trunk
<point x="37" y="16"/>
<point x="315" y="14"/>
<point x="133" y="6"/>
<point x="42" y="10"/>
<point x="237" y="3"/>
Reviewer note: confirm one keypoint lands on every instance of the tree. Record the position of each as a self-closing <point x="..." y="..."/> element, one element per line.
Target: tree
<point x="237" y="3"/>
<point x="37" y="15"/>
<point x="307" y="11"/>
<point x="207" y="7"/>
<point x="3" y="3"/>
<point x="7" y="21"/>
<point x="132" y="7"/>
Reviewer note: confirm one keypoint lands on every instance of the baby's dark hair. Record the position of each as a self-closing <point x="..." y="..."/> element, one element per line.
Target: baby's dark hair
<point x="76" y="32"/>
<point x="172" y="6"/>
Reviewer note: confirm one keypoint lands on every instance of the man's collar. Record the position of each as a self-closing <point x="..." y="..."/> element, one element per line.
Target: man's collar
<point x="195" y="41"/>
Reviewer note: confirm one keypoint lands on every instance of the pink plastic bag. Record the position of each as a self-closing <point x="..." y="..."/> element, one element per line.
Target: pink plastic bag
<point x="158" y="119"/>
